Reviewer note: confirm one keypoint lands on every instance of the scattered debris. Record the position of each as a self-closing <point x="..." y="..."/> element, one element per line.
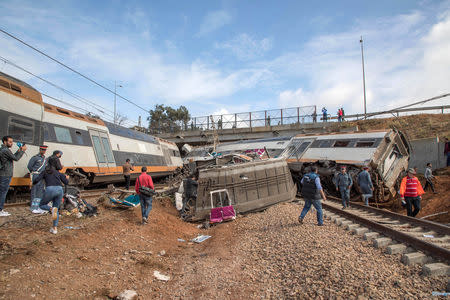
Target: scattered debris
<point x="200" y="238"/>
<point x="161" y="276"/>
<point x="13" y="271"/>
<point x="127" y="295"/>
<point x="72" y="227"/>
<point x="162" y="252"/>
<point x="181" y="240"/>
<point x="428" y="235"/>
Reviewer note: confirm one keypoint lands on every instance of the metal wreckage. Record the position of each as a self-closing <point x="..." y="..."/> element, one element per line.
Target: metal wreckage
<point x="252" y="175"/>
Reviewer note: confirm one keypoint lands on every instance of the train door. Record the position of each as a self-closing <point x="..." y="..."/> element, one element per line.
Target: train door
<point x="102" y="148"/>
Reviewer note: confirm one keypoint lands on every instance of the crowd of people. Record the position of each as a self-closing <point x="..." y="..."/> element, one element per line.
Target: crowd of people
<point x="410" y="192"/>
<point x="48" y="183"/>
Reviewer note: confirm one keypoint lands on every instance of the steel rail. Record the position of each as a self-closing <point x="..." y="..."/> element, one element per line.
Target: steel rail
<point x="428" y="248"/>
<point x="439" y="228"/>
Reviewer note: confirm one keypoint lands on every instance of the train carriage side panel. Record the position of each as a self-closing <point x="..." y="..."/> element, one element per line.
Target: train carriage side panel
<point x="21" y="114"/>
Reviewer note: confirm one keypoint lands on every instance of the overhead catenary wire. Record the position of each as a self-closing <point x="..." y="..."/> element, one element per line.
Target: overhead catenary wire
<point x="71" y="69"/>
<point x="97" y="107"/>
<point x="88" y="102"/>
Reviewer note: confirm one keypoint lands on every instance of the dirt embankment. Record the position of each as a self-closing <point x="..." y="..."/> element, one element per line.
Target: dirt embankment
<point x="437" y="204"/>
<point x="415" y="126"/>
<point x="262" y="255"/>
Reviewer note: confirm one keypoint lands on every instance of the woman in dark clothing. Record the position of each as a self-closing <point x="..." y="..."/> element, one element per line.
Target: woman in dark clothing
<point x="54" y="192"/>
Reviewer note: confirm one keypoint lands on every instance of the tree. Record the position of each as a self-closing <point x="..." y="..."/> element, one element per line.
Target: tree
<point x="167" y="119"/>
<point x="121" y="119"/>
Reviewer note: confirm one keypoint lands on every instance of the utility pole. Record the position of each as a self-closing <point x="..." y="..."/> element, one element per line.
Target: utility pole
<point x="364" y="77"/>
<point x="115" y="92"/>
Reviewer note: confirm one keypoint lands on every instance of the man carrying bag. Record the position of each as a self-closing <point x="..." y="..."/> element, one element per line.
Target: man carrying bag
<point x="145" y="189"/>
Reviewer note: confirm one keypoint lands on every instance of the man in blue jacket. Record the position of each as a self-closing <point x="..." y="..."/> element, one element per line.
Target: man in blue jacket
<point x="312" y="194"/>
<point x="344" y="182"/>
<point x="36" y="165"/>
<point x="365" y="185"/>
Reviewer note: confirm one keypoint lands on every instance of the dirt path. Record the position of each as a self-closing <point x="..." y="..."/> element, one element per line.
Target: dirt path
<point x="263" y="255"/>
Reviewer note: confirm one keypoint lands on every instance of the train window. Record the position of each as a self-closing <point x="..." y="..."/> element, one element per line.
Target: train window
<point x="21" y="130"/>
<point x="16" y="88"/>
<point x="364" y="144"/>
<point x="78" y="115"/>
<point x="4" y="83"/>
<point x="78" y="138"/>
<point x="101" y="156"/>
<point x="63" y="135"/>
<point x="302" y="147"/>
<point x="341" y="143"/>
<point x="107" y="147"/>
<point x="63" y="111"/>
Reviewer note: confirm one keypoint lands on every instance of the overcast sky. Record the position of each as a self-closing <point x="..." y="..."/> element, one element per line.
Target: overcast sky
<point x="233" y="56"/>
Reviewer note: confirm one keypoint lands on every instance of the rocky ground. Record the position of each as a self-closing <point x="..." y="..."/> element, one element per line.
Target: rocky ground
<point x="261" y="255"/>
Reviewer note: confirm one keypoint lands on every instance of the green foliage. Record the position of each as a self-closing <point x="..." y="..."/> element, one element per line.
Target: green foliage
<point x="167" y="119"/>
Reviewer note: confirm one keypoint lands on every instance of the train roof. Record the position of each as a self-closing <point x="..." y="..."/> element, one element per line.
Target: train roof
<point x="18" y="88"/>
<point x="17" y="81"/>
<point x="274" y="139"/>
<point x="347" y="135"/>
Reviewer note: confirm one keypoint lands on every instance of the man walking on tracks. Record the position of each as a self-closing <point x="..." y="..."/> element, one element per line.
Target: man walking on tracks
<point x="144" y="188"/>
<point x="7" y="159"/>
<point x="36" y="165"/>
<point x="312" y="193"/>
<point x="365" y="185"/>
<point x="127" y="167"/>
<point x="411" y="191"/>
<point x="344" y="182"/>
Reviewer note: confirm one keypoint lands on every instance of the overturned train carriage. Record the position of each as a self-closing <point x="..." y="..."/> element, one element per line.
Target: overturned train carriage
<point x="252" y="186"/>
<point x="386" y="152"/>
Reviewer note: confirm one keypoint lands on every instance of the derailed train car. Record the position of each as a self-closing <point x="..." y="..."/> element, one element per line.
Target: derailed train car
<point x="385" y="152"/>
<point x="251" y="186"/>
<point x="94" y="150"/>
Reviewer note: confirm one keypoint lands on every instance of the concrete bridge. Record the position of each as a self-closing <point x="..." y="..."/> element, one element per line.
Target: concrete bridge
<point x="202" y="137"/>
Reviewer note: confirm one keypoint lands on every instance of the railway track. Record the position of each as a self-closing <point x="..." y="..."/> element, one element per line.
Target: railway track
<point x="417" y="241"/>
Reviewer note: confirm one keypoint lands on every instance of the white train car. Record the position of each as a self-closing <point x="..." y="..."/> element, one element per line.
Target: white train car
<point x="93" y="150"/>
<point x="274" y="146"/>
<point x="386" y="152"/>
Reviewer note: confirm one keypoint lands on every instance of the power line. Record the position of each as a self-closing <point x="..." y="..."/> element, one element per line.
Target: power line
<point x="97" y="107"/>
<point x="71" y="69"/>
<point x="88" y="102"/>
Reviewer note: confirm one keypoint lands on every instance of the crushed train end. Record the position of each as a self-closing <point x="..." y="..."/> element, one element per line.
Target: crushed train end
<point x="252" y="186"/>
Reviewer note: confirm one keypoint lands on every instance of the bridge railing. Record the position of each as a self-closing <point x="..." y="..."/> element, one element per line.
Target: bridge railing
<point x="284" y="116"/>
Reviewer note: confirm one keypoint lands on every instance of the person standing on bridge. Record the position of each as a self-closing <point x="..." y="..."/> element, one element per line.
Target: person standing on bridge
<point x="344" y="182"/>
<point x="411" y="192"/>
<point x="312" y="193"/>
<point x="365" y="185"/>
<point x="324" y="114"/>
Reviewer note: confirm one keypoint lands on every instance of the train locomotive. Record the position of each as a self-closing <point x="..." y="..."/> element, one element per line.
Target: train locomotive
<point x="94" y="150"/>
